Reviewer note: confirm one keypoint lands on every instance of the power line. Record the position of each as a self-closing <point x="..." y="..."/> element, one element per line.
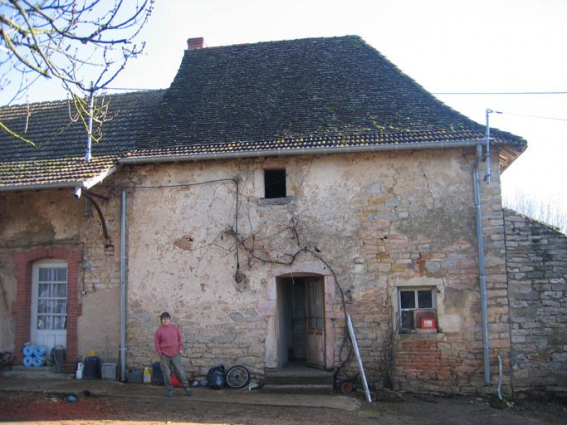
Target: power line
<point x="520" y="93"/>
<point x="535" y="116"/>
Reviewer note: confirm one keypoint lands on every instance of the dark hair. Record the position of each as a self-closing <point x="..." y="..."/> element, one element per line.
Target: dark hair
<point x="164" y="315"/>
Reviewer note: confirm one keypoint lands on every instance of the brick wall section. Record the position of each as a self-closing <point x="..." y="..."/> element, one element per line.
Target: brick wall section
<point x="537" y="273"/>
<point x="425" y="368"/>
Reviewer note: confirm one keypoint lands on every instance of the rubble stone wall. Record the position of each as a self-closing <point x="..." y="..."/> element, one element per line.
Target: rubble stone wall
<point x="537" y="271"/>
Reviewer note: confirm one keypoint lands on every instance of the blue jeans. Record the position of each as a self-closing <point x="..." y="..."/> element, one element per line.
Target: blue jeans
<point x="169" y="363"/>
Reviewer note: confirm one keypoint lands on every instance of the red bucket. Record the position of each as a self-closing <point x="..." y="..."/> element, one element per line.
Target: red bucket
<point x="175" y="382"/>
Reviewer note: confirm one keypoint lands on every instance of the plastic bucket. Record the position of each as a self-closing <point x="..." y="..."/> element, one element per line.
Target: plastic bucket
<point x="91" y="368"/>
<point x="157" y="374"/>
<point x="147" y="375"/>
<point x="136" y="376"/>
<point x="58" y="356"/>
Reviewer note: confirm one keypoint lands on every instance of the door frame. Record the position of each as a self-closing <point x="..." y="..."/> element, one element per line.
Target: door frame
<point x="23" y="262"/>
<point x="269" y="310"/>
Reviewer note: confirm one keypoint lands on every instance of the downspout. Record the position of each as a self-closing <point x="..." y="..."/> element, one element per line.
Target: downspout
<point x="481" y="266"/>
<point x="123" y="289"/>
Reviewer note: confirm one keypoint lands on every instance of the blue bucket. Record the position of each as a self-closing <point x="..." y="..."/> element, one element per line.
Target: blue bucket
<point x="28" y="361"/>
<point x="28" y="350"/>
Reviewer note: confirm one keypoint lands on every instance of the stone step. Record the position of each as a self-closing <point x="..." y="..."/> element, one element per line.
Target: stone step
<point x="298" y="379"/>
<point x="277" y="379"/>
<point x="298" y="389"/>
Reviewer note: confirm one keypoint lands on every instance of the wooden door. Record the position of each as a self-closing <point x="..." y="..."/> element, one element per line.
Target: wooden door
<point x="315" y="324"/>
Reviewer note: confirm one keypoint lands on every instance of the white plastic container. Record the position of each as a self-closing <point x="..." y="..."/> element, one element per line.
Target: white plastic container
<point x="79" y="373"/>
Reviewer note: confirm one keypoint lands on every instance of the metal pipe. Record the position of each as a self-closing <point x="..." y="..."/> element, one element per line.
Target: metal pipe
<point x="487" y="175"/>
<point x="123" y="289"/>
<point x="499" y="376"/>
<point x="90" y="127"/>
<point x="481" y="266"/>
<point x="100" y="216"/>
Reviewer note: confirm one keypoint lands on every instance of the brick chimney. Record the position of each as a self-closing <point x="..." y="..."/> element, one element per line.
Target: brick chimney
<point x="195" y="43"/>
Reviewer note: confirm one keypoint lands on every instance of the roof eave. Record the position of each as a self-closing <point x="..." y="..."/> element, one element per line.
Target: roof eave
<point x="83" y="184"/>
<point x="302" y="151"/>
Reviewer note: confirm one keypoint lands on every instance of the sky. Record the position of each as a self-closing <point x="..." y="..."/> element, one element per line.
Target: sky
<point x="447" y="46"/>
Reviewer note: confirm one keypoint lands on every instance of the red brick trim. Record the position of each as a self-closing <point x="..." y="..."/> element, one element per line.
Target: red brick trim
<point x="21" y="308"/>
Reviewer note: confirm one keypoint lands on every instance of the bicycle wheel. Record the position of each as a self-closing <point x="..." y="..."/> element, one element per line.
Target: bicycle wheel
<point x="237" y="377"/>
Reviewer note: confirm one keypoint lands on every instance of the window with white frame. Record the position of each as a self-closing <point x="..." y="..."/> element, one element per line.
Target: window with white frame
<point x="417" y="309"/>
<point x="52" y="298"/>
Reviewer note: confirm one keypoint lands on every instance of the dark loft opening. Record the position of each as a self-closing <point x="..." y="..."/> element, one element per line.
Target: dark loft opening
<point x="274" y="184"/>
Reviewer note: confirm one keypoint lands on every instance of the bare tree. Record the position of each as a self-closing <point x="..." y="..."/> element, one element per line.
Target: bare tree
<point x="82" y="44"/>
<point x="547" y="211"/>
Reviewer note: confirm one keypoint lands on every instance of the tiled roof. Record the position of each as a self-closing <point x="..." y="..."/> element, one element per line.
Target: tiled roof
<point x="292" y="96"/>
<point x="58" y="157"/>
<point x="297" y="89"/>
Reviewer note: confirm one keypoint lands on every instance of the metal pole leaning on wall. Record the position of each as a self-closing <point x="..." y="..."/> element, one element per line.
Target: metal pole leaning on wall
<point x="357" y="352"/>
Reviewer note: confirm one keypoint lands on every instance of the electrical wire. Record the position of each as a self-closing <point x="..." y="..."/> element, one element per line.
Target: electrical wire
<point x="534" y="116"/>
<point x="520" y="93"/>
<point x="166" y="186"/>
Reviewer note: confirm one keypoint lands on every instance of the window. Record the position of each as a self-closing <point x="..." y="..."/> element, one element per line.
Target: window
<point x="52" y="298"/>
<point x="414" y="305"/>
<point x="274" y="184"/>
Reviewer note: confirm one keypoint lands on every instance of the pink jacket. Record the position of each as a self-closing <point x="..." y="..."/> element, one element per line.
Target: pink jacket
<point x="168" y="341"/>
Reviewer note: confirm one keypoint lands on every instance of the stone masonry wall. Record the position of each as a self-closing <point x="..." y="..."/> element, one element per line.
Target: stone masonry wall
<point x="53" y="221"/>
<point x="537" y="272"/>
<point x="381" y="221"/>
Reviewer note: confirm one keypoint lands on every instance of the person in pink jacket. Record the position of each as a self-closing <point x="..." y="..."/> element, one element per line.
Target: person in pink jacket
<point x="169" y="345"/>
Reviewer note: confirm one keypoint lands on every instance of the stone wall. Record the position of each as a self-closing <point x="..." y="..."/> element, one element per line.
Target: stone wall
<point x="38" y="225"/>
<point x="367" y="225"/>
<point x="381" y="222"/>
<point x="537" y="272"/>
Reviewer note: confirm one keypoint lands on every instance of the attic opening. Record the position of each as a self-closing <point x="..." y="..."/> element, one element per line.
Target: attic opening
<point x="274" y="184"/>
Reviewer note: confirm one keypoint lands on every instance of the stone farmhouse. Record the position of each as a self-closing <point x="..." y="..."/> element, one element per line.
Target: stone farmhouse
<point x="271" y="191"/>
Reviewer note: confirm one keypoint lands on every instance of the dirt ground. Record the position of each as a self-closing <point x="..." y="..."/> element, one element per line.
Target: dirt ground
<point x="31" y="408"/>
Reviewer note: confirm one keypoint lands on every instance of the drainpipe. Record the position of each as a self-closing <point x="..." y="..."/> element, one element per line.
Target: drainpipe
<point x="481" y="266"/>
<point x="123" y="289"/>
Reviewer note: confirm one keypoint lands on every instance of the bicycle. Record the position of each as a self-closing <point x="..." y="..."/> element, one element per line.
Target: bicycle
<point x="237" y="377"/>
